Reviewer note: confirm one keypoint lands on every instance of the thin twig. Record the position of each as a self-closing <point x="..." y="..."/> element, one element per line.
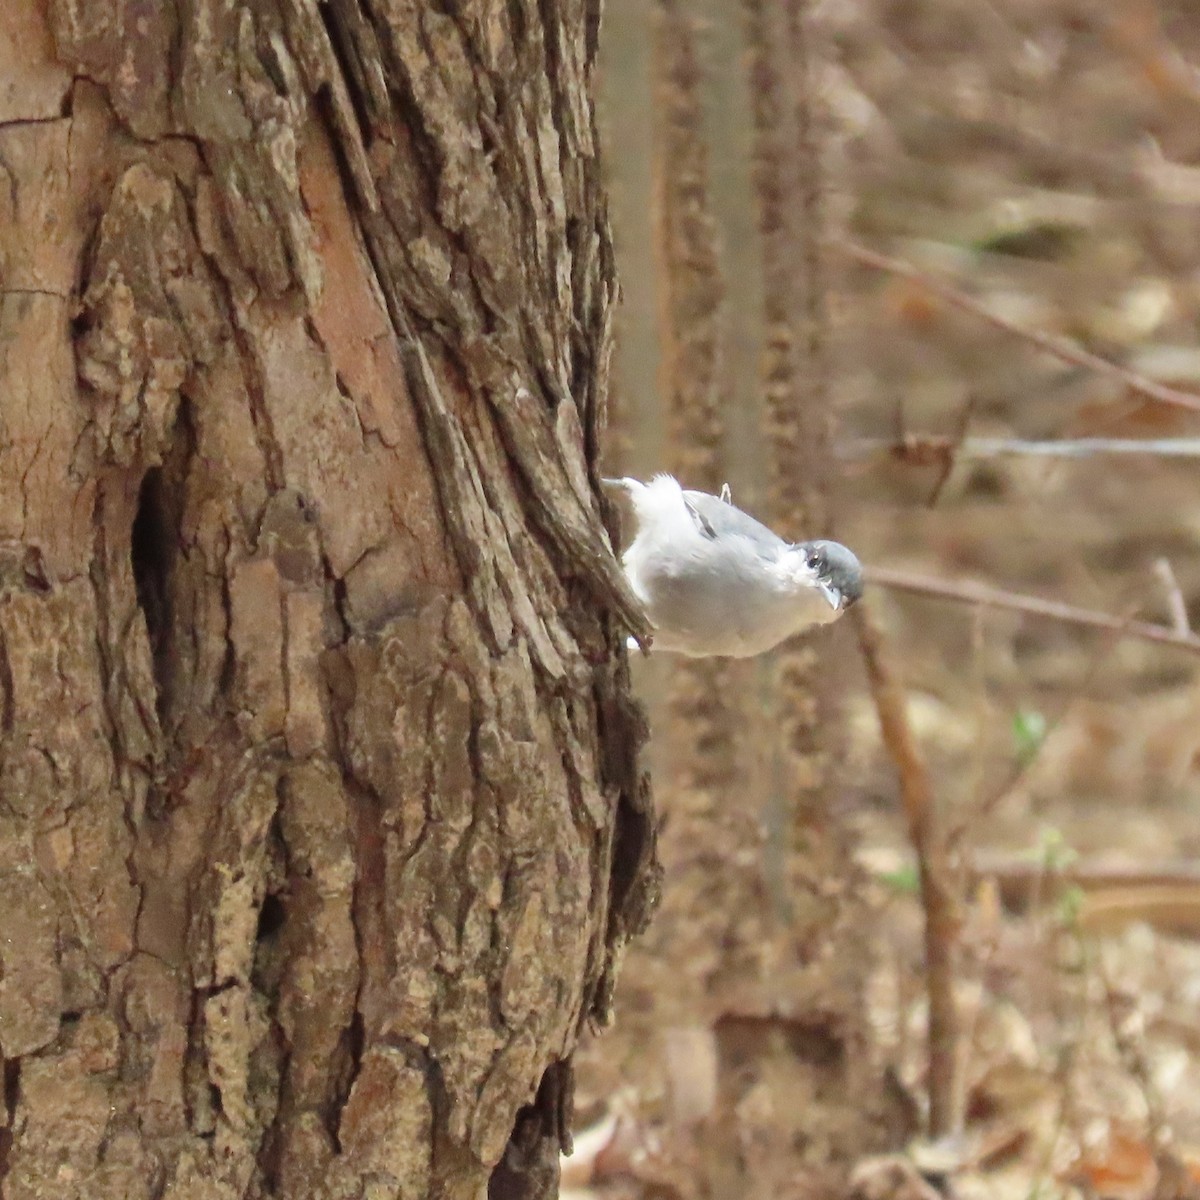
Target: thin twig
<point x="967" y="591"/>
<point x="1176" y="605"/>
<point x="960" y="434"/>
<point x="1060" y="348"/>
<point x="924" y="449"/>
<point x="937" y="895"/>
<point x="1017" y="874"/>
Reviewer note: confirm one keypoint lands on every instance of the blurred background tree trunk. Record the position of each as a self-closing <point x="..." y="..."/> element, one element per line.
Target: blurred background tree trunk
<point x="987" y="181"/>
<point x="762" y="1061"/>
<point x="321" y="818"/>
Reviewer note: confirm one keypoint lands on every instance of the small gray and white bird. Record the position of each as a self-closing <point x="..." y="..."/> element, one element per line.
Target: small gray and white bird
<point x="717" y="582"/>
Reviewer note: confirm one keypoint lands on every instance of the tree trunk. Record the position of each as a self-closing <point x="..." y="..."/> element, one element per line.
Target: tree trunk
<point x="321" y="820"/>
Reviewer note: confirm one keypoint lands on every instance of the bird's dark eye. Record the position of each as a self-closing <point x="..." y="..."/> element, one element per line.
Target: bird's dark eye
<point x="813" y="559"/>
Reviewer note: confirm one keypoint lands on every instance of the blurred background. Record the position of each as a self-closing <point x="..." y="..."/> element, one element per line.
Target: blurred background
<point x="838" y="223"/>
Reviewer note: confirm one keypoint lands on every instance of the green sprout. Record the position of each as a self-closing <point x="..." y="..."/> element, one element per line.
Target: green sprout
<point x="1029" y="732"/>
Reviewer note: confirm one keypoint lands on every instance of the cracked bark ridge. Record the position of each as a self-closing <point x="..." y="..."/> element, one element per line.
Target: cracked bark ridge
<point x="321" y="818"/>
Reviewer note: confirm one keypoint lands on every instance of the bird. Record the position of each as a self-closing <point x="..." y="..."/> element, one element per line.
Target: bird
<point x="717" y="583"/>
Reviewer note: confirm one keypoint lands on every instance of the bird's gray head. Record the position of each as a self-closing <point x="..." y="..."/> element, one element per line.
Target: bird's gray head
<point x="835" y="571"/>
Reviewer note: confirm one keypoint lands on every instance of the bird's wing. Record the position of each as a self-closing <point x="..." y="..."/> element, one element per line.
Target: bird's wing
<point x="717" y="518"/>
<point x="705" y="528"/>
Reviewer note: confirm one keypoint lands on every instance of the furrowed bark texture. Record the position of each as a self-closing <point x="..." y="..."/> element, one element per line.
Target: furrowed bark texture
<point x="321" y="822"/>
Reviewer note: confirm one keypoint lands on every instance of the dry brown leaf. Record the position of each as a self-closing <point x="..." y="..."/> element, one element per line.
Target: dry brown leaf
<point x="1123" y="1169"/>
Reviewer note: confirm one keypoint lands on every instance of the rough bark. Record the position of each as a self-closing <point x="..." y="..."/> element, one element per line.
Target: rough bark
<point x="321" y="822"/>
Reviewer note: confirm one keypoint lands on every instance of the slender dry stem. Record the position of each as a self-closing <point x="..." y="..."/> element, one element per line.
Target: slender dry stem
<point x="1060" y="348"/>
<point x="967" y="591"/>
<point x="929" y="449"/>
<point x="937" y="893"/>
<point x="1176" y="605"/>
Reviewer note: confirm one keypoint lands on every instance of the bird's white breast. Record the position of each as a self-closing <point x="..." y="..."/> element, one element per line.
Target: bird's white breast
<point x="711" y="597"/>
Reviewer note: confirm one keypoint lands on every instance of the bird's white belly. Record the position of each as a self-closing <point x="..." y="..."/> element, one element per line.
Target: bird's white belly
<point x="699" y="611"/>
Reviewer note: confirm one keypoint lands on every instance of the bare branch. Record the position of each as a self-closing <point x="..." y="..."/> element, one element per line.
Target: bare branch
<point x="926" y="449"/>
<point x="934" y="448"/>
<point x="1176" y="605"/>
<point x="1021" y="880"/>
<point x="1058" y="347"/>
<point x="937" y="895"/>
<point x="947" y="466"/>
<point x="967" y="591"/>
